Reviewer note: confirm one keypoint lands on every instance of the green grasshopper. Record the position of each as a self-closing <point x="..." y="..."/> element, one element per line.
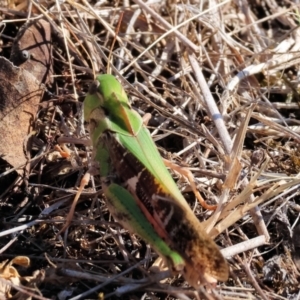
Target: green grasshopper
<point x="140" y="192"/>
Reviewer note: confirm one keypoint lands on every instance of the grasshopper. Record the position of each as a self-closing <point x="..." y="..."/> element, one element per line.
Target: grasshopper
<point x="139" y="190"/>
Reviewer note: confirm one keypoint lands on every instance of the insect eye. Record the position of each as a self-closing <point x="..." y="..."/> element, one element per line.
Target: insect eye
<point x="25" y="55"/>
<point x="93" y="89"/>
